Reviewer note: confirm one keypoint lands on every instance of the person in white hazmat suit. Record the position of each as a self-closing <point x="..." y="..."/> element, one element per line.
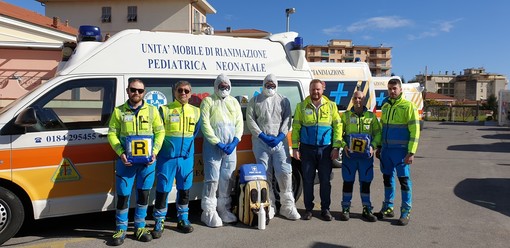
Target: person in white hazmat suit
<point x="268" y="117"/>
<point x="222" y="127"/>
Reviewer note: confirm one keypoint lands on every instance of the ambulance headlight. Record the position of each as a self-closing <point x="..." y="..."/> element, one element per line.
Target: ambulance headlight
<point x="89" y="33"/>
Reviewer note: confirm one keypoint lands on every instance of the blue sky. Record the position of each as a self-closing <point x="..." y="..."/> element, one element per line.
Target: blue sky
<point x="440" y="35"/>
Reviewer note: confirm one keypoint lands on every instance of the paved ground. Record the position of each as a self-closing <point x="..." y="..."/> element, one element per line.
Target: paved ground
<point x="461" y="180"/>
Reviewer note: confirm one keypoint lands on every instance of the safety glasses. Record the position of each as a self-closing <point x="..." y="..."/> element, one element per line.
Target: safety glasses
<point x="224" y="87"/>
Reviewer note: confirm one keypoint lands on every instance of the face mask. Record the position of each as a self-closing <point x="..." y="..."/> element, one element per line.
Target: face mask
<point x="269" y="92"/>
<point x="224" y="93"/>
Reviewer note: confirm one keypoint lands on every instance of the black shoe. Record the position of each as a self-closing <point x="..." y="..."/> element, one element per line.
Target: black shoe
<point x="367" y="214"/>
<point x="118" y="238"/>
<point x="185" y="226"/>
<point x="143" y="234"/>
<point x="404" y="217"/>
<point x="159" y="227"/>
<point x="307" y="215"/>
<point x="326" y="215"/>
<point x="386" y="212"/>
<point x="344" y="216"/>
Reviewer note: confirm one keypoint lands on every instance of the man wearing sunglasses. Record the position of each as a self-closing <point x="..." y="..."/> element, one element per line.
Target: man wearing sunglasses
<point x="268" y="117"/>
<point x="222" y="126"/>
<point x="175" y="161"/>
<point x="136" y="134"/>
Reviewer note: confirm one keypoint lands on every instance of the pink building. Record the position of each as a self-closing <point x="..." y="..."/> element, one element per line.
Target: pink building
<point x="30" y="49"/>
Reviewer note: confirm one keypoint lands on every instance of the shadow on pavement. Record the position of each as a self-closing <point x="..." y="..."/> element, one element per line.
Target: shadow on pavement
<point x="99" y="225"/>
<point x="497" y="136"/>
<point x="491" y="193"/>
<point x="494" y="147"/>
<point x="326" y="245"/>
<point x="462" y="123"/>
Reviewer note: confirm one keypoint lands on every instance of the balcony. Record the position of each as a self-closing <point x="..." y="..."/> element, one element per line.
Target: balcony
<point x="379" y="56"/>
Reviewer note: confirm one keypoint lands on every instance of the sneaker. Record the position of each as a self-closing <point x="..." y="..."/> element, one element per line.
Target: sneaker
<point x="185" y="226"/>
<point x="386" y="212"/>
<point x="143" y="234"/>
<point x="159" y="227"/>
<point x="326" y="215"/>
<point x="344" y="216"/>
<point x="118" y="237"/>
<point x="404" y="217"/>
<point x="307" y="215"/>
<point x="367" y="214"/>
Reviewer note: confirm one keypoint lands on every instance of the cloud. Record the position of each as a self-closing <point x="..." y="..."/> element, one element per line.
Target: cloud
<point x="379" y="23"/>
<point x="446" y="26"/>
<point x="438" y="28"/>
<point x="375" y="23"/>
<point x="333" y="30"/>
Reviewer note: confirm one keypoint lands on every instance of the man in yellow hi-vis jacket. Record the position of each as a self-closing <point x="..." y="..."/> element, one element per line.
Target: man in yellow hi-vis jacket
<point x="362" y="135"/>
<point x="400" y="135"/>
<point x="316" y="139"/>
<point x="136" y="134"/>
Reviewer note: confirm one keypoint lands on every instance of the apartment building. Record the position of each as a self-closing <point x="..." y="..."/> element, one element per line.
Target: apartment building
<point x="112" y="16"/>
<point x="471" y="84"/>
<point x="438" y="83"/>
<point x="378" y="58"/>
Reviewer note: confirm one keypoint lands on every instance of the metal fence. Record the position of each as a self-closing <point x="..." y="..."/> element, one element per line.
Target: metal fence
<point x="455" y="113"/>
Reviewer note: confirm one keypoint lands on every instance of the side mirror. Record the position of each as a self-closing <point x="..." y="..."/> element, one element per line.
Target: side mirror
<point x="27" y="118"/>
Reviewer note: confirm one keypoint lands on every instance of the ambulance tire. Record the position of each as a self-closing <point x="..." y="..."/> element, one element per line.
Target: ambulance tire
<point x="12" y="214"/>
<point x="337" y="163"/>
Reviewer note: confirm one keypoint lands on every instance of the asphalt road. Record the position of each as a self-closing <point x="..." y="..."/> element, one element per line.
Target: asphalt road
<point x="461" y="181"/>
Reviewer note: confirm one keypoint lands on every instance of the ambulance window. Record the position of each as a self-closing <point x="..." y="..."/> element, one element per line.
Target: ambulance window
<point x="292" y="91"/>
<point x="379" y="97"/>
<point x="341" y="92"/>
<point x="77" y="104"/>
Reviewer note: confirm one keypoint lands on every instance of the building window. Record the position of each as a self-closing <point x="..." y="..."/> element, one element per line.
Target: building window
<point x="196" y="21"/>
<point x="358" y="51"/>
<point x="132" y="16"/>
<point x="106" y="14"/>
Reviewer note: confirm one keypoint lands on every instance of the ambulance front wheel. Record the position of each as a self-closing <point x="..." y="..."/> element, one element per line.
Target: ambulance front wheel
<point x="337" y="163"/>
<point x="12" y="214"/>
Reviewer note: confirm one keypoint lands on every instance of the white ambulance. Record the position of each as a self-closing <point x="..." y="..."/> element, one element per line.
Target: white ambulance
<point x="55" y="159"/>
<point x="410" y="91"/>
<point x="342" y="80"/>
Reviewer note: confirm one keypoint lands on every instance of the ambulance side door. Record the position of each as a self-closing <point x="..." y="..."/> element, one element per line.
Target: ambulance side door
<point x="64" y="161"/>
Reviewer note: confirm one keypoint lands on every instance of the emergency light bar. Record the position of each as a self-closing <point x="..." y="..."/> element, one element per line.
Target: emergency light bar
<point x="89" y="33"/>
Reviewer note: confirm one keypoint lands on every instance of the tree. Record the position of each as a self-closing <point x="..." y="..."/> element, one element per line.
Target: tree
<point x="492" y="104"/>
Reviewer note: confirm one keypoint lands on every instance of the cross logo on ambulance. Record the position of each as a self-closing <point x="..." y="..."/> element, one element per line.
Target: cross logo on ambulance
<point x="66" y="172"/>
<point x="155" y="98"/>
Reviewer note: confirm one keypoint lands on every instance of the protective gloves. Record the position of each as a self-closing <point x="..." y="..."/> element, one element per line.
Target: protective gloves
<point x="276" y="140"/>
<point x="229" y="148"/>
<point x="221" y="146"/>
<point x="266" y="138"/>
